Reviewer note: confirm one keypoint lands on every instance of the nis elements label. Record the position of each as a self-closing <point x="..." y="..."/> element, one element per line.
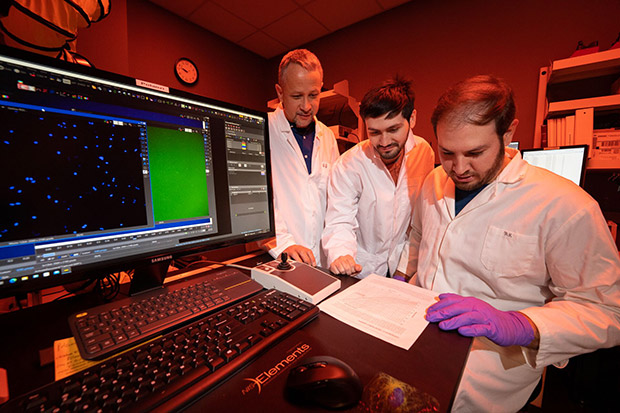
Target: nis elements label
<point x="266" y="376"/>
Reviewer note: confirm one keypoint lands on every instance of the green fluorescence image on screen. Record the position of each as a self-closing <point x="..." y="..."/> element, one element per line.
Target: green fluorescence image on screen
<point x="178" y="177"/>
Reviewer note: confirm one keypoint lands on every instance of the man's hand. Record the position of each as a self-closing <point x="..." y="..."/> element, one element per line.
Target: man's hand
<point x="345" y="265"/>
<point x="301" y="254"/>
<point x="473" y="318"/>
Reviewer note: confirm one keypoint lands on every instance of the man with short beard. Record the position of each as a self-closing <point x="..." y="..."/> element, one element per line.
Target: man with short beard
<point x="373" y="185"/>
<point x="521" y="258"/>
<point x="303" y="150"/>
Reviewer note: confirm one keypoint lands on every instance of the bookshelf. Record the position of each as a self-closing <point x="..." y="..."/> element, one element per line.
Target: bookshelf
<point x="579" y="102"/>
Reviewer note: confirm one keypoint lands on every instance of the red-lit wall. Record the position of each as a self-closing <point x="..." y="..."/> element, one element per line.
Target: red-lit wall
<point x="142" y="40"/>
<point x="105" y="43"/>
<point x="435" y="43"/>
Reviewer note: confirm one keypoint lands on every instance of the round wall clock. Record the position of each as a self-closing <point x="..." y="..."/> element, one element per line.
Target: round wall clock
<point x="186" y="71"/>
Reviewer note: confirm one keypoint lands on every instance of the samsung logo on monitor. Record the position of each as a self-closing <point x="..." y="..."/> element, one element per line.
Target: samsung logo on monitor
<point x="160" y="259"/>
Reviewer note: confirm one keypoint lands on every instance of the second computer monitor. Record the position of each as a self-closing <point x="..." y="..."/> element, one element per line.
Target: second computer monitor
<point x="566" y="161"/>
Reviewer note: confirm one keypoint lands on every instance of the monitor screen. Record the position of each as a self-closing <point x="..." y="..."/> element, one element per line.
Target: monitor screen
<point x="566" y="161"/>
<point x="102" y="172"/>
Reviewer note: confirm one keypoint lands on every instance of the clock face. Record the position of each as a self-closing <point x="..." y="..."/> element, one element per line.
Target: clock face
<point x="186" y="71"/>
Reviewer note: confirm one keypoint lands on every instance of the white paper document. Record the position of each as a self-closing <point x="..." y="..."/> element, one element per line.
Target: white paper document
<point x="386" y="308"/>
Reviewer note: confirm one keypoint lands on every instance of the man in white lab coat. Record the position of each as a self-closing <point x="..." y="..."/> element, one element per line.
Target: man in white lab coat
<point x="302" y="153"/>
<point x="522" y="258"/>
<point x="373" y="185"/>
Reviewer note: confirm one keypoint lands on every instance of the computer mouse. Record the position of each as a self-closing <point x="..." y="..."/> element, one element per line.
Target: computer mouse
<point x="323" y="381"/>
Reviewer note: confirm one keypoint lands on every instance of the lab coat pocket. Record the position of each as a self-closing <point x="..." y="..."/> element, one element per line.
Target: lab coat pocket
<point x="322" y="177"/>
<point x="507" y="252"/>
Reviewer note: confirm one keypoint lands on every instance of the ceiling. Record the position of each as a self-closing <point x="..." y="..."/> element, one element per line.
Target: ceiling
<point x="272" y="27"/>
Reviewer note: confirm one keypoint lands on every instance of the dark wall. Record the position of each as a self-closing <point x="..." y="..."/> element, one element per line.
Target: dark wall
<point x="105" y="43"/>
<point x="142" y="40"/>
<point x="437" y="43"/>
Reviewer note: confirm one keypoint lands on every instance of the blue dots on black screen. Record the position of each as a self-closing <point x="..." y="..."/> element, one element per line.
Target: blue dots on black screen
<point x="69" y="184"/>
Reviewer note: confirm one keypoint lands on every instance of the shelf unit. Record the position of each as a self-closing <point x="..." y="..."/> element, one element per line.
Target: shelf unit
<point x="585" y="86"/>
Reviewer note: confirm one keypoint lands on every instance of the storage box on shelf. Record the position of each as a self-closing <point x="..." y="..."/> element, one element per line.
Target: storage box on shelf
<point x="575" y="96"/>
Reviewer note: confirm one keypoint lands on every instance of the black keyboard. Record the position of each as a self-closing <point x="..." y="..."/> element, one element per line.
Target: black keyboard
<point x="172" y="371"/>
<point x="105" y="330"/>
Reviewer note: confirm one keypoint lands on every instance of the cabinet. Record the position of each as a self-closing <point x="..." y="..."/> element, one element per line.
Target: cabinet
<point x="583" y="90"/>
<point x="340" y="112"/>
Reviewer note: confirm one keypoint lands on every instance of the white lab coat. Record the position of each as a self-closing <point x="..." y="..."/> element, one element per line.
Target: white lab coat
<point x="299" y="198"/>
<point x="530" y="241"/>
<point x="367" y="214"/>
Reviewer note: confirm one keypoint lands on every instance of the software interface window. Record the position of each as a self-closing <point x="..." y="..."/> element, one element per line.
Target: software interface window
<point x="98" y="169"/>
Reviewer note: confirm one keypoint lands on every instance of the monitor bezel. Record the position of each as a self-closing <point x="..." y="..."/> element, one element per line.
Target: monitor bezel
<point x="147" y="259"/>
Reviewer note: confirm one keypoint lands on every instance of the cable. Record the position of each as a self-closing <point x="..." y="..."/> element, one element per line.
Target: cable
<point x="75" y="291"/>
<point x="86" y="284"/>
<point x="110" y="285"/>
<point x="63" y="296"/>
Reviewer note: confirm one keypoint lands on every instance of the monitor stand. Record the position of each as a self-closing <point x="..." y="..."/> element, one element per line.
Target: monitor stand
<point x="148" y="277"/>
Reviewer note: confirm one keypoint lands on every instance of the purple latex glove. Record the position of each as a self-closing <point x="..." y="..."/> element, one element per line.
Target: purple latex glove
<point x="474" y="318"/>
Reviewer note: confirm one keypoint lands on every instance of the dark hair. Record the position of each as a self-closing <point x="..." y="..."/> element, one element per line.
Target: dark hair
<point x="478" y="101"/>
<point x="393" y="97"/>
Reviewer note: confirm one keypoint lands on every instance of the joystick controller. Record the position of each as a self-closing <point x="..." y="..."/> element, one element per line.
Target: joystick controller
<point x="284" y="264"/>
<point x="296" y="278"/>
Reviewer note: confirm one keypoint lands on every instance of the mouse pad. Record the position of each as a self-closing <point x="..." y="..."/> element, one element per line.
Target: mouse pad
<point x="261" y="384"/>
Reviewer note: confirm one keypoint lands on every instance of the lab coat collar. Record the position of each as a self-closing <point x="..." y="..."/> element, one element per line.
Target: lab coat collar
<point x="372" y="153"/>
<point x="515" y="170"/>
<point x="512" y="173"/>
<point x="285" y="127"/>
<point x="410" y="143"/>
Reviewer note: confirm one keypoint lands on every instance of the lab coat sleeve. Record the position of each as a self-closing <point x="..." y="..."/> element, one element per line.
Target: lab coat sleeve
<point x="585" y="278"/>
<point x="409" y="257"/>
<point x="334" y="152"/>
<point x="343" y="195"/>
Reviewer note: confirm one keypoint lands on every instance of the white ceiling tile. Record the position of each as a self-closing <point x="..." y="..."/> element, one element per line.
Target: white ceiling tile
<point x="221" y="22"/>
<point x="389" y="4"/>
<point x="263" y="45"/>
<point x="296" y="29"/>
<point x="284" y="22"/>
<point x="181" y="8"/>
<point x="338" y="14"/>
<point x="258" y="13"/>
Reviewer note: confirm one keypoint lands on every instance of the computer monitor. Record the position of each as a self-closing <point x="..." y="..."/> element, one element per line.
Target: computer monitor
<point x="566" y="161"/>
<point x="104" y="173"/>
